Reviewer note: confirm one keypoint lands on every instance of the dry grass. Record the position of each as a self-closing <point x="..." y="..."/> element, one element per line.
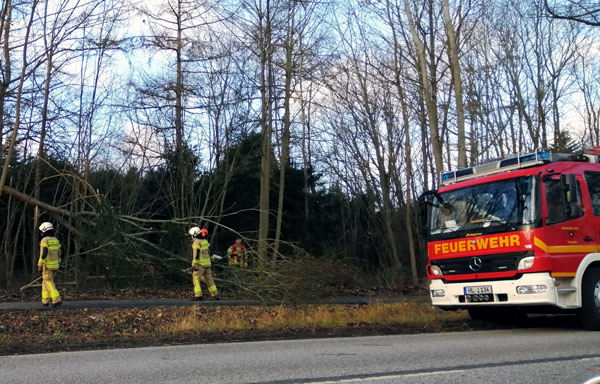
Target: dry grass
<point x="306" y="317"/>
<point x="57" y="330"/>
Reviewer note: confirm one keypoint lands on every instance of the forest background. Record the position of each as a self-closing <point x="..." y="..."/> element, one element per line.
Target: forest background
<point x="306" y="127"/>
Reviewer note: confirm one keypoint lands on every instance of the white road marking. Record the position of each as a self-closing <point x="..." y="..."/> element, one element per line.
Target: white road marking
<point x="433" y="373"/>
<point x="588" y="359"/>
<point x="388" y="377"/>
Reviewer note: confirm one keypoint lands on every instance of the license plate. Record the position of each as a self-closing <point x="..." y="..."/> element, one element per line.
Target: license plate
<point x="480" y="290"/>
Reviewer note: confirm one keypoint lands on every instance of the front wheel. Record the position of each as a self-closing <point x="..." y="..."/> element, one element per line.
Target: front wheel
<point x="499" y="315"/>
<point x="589" y="314"/>
<point x="481" y="314"/>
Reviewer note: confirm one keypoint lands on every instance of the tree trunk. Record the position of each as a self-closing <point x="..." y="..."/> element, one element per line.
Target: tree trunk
<point x="457" y="84"/>
<point x="6" y="21"/>
<point x="39" y="161"/>
<point x="17" y="124"/>
<point x="407" y="153"/>
<point x="427" y="93"/>
<point x="179" y="86"/>
<point x="306" y="160"/>
<point x="424" y="141"/>
<point x="287" y="122"/>
<point x="266" y="80"/>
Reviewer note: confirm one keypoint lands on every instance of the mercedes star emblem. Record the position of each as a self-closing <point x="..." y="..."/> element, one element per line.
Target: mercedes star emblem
<point x="475" y="264"/>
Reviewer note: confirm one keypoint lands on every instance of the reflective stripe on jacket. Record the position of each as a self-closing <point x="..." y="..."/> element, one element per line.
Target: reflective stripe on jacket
<point x="200" y="252"/>
<point x="52" y="259"/>
<point x="237" y="251"/>
<point x="236" y="255"/>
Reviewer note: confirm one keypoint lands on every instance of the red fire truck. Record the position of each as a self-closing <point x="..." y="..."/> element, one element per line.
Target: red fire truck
<point x="517" y="235"/>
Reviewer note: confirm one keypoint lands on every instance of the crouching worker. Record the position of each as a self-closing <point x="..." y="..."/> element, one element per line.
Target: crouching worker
<point x="237" y="254"/>
<point x="48" y="264"/>
<point x="201" y="263"/>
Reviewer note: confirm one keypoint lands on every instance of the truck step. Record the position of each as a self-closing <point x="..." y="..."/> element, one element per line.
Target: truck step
<point x="566" y="290"/>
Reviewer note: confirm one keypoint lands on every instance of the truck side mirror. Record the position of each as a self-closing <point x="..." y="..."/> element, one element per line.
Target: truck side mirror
<point x="573" y="205"/>
<point x="425" y="203"/>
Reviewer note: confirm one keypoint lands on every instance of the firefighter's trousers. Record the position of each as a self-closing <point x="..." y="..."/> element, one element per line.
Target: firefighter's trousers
<point x="49" y="291"/>
<point x="203" y="274"/>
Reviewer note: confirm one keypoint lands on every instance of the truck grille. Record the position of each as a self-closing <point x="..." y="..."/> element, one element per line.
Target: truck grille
<point x="489" y="263"/>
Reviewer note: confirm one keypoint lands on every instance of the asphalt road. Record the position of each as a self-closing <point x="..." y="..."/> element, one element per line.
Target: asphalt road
<point x="508" y="356"/>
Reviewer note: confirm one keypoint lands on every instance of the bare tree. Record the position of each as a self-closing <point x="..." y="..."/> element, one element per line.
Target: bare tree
<point x="580" y="11"/>
<point x="259" y="22"/>
<point x="24" y="67"/>
<point x="453" y="55"/>
<point x="429" y="92"/>
<point x="301" y="46"/>
<point x="5" y="23"/>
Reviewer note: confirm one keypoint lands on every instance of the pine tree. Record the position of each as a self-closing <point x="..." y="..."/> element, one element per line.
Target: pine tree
<point x="565" y="143"/>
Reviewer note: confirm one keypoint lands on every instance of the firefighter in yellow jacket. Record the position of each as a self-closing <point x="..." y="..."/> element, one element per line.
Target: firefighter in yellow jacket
<point x="201" y="263"/>
<point x="48" y="264"/>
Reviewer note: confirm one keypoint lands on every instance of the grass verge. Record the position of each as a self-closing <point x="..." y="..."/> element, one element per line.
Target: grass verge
<point x="58" y="330"/>
<point x="307" y="317"/>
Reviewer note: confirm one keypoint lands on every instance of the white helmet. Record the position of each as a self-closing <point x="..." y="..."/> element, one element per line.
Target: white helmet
<point x="46" y="226"/>
<point x="195" y="231"/>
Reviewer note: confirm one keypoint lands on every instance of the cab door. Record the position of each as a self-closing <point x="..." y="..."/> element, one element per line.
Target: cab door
<point x="592" y="194"/>
<point x="568" y="235"/>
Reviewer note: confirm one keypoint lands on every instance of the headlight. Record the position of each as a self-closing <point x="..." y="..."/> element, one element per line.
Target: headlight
<point x="529" y="289"/>
<point x="435" y="270"/>
<point x="438" y="293"/>
<point x="526" y="263"/>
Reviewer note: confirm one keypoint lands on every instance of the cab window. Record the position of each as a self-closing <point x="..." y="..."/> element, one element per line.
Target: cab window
<point x="563" y="201"/>
<point x="593" y="182"/>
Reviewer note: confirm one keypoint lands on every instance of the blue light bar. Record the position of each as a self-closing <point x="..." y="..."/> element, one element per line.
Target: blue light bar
<point x="464" y="172"/>
<point x="453" y="175"/>
<point x="538" y="156"/>
<point x="447" y="176"/>
<point x="520" y="161"/>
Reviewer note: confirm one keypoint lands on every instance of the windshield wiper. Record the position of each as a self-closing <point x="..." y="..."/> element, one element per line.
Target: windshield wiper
<point x="445" y="230"/>
<point x="501" y="221"/>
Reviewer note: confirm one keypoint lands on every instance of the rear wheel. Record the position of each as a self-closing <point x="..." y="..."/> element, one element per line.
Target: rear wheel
<point x="589" y="314"/>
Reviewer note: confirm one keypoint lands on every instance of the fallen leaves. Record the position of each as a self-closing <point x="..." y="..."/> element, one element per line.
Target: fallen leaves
<point x="32" y="331"/>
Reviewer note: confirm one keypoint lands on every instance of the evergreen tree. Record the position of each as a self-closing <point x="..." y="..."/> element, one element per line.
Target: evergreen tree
<point x="565" y="143"/>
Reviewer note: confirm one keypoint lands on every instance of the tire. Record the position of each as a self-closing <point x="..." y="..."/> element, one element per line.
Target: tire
<point x="512" y="316"/>
<point x="481" y="314"/>
<point x="589" y="314"/>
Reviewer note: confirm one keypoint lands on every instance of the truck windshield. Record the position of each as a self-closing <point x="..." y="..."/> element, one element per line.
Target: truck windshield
<point x="491" y="207"/>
